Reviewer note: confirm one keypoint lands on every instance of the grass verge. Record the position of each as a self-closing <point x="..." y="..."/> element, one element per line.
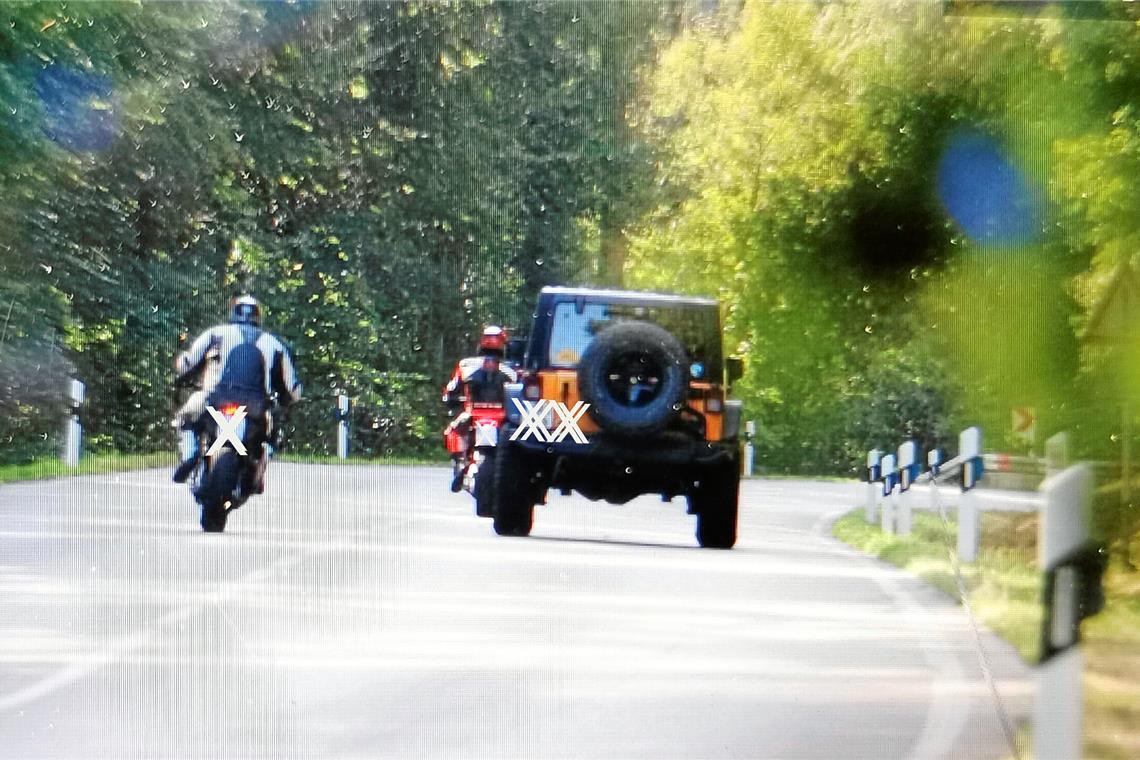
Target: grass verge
<point x="90" y="464"/>
<point x="759" y="474"/>
<point x="1004" y="590"/>
<point x="1112" y="671"/>
<point x="99" y="464"/>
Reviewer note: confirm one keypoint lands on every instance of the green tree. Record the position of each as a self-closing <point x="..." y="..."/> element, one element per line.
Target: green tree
<point x="803" y="147"/>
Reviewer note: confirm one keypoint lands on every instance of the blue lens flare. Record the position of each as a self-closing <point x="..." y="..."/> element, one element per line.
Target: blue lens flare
<point x="986" y="195"/>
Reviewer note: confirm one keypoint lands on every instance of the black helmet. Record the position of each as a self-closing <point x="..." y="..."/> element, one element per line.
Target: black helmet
<point x="245" y="310"/>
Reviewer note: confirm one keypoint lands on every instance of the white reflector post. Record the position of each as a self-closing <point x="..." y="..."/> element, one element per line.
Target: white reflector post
<point x="342" y="426"/>
<point x="1058" y="708"/>
<point x="870" y="508"/>
<point x="1056" y="454"/>
<point x="1063" y="529"/>
<point x="1064" y="523"/>
<point x="969" y="526"/>
<point x="908" y="454"/>
<point x="970" y="443"/>
<point x="889" y="475"/>
<point x="749" y="448"/>
<point x="903" y="513"/>
<point x="907" y="459"/>
<point x="874" y="456"/>
<point x="73" y="444"/>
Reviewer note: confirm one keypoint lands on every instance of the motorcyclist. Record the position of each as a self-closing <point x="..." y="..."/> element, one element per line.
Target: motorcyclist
<point x="476" y="379"/>
<point x="234" y="362"/>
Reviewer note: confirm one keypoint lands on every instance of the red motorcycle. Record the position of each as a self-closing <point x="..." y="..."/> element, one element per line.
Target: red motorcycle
<point x="471" y="439"/>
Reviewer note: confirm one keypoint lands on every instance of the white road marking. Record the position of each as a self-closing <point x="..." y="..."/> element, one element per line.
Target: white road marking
<point x="947" y="713"/>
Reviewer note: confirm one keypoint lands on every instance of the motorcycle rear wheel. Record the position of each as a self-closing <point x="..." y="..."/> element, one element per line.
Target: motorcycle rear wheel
<point x="217" y="491"/>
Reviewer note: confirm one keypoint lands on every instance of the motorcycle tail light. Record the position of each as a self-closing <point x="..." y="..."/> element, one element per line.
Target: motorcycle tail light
<point x="229" y="410"/>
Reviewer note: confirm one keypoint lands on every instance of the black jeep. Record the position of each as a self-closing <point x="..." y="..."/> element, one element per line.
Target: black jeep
<point x="651" y="368"/>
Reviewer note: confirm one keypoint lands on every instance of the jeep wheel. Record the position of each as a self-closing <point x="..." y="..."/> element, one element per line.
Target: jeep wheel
<point x="716" y="503"/>
<point x="634" y="377"/>
<point x="484" y="485"/>
<point x="513" y="504"/>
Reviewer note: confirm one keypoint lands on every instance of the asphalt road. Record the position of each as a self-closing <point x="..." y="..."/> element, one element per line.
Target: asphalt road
<point x="366" y="612"/>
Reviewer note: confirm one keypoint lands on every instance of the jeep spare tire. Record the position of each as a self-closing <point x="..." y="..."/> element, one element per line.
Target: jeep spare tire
<point x="634" y="377"/>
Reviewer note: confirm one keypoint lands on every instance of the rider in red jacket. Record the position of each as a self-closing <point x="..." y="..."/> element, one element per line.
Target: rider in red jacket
<point x="476" y="379"/>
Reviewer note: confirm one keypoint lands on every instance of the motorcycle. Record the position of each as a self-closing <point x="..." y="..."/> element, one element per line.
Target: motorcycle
<point x="472" y="438"/>
<point x="225" y="477"/>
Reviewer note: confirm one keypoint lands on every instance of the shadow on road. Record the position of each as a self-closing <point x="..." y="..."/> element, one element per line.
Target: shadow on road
<point x="678" y="547"/>
<point x="613" y="542"/>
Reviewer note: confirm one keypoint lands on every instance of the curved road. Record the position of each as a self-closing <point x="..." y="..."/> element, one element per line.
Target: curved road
<point x="365" y="612"/>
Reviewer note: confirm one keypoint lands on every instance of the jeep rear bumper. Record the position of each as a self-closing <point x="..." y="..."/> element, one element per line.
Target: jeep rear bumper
<point x="666" y="449"/>
<point x="618" y="470"/>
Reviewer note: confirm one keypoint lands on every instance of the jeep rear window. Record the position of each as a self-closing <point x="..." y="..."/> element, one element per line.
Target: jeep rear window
<point x="696" y="327"/>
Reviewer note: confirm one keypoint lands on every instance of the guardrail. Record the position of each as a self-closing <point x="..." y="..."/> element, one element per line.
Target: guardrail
<point x="1072" y="567"/>
<point x="891" y="479"/>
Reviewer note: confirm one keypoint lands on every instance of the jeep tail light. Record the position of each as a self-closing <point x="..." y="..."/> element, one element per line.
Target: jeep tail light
<point x="714" y="400"/>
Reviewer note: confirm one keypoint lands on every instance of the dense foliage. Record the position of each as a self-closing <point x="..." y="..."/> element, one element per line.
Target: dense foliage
<point x="385" y="176"/>
<point x="910" y="215"/>
<point x="890" y="200"/>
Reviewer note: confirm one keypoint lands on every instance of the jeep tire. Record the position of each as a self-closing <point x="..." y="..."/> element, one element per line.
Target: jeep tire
<point x="715" y="501"/>
<point x="511" y="493"/>
<point x="615" y="353"/>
